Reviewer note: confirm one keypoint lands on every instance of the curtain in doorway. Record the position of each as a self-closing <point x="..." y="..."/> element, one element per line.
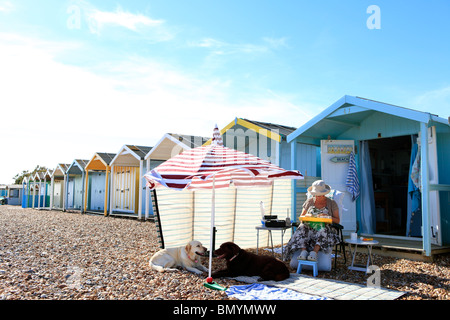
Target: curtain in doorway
<point x="414" y="214"/>
<point x="368" y="218"/>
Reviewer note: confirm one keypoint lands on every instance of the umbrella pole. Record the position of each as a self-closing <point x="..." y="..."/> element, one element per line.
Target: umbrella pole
<point x="213" y="213"/>
<point x="209" y="281"/>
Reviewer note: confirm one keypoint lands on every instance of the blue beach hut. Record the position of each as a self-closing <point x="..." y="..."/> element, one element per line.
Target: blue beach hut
<point x="98" y="176"/>
<point x="43" y="180"/>
<point x="74" y="191"/>
<point x="401" y="158"/>
<point x="25" y="192"/>
<point x="14" y="194"/>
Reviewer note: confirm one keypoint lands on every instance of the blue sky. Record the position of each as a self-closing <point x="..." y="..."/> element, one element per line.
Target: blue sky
<point x="79" y="77"/>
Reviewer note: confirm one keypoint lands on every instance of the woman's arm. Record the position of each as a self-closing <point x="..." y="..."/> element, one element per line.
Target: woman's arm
<point x="333" y="207"/>
<point x="303" y="212"/>
<point x="335" y="212"/>
<point x="335" y="217"/>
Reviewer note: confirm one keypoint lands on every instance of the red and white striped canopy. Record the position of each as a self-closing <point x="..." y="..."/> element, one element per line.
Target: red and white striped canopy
<point x="193" y="169"/>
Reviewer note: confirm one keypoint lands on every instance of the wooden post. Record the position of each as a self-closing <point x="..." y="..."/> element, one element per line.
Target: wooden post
<point x="65" y="191"/>
<point x="52" y="191"/>
<point x="111" y="197"/>
<point x="105" y="210"/>
<point x="141" y="169"/>
<point x="147" y="194"/>
<point x="86" y="180"/>
<point x="294" y="181"/>
<point x="425" y="188"/>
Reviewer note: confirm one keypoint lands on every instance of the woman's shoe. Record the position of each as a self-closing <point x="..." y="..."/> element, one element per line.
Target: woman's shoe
<point x="303" y="255"/>
<point x="312" y="256"/>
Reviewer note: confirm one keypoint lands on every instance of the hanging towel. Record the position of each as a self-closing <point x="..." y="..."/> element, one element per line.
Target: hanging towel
<point x="352" y="182"/>
<point x="415" y="172"/>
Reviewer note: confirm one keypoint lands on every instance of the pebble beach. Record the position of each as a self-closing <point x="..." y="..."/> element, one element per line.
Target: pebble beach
<point x="53" y="255"/>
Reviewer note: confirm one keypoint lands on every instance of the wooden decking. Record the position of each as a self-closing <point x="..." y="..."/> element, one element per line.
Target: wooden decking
<point x="405" y="248"/>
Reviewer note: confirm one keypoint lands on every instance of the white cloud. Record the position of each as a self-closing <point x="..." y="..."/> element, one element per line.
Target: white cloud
<point x="124" y="19"/>
<point x="153" y="29"/>
<point x="219" y="47"/>
<point x="434" y="101"/>
<point x="276" y="43"/>
<point x="6" y="6"/>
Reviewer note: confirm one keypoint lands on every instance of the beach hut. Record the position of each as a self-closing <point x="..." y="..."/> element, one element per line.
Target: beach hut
<point x="74" y="191"/>
<point x="127" y="182"/>
<point x="401" y="173"/>
<point x="25" y="192"/>
<point x="168" y="146"/>
<point x="97" y="180"/>
<point x="57" y="187"/>
<point x="3" y="190"/>
<point x="263" y="139"/>
<point x="14" y="194"/>
<point x="268" y="141"/>
<point x="43" y="180"/>
<point x="35" y="192"/>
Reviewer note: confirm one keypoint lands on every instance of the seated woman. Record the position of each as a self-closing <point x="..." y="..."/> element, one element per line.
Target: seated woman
<point x="310" y="237"/>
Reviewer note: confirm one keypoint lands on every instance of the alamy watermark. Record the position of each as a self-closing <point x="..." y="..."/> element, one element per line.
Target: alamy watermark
<point x="374" y="281"/>
<point x="74" y="19"/>
<point x="374" y="20"/>
<point x="73" y="280"/>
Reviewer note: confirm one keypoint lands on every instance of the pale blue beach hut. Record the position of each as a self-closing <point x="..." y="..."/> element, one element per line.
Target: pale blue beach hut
<point x="98" y="177"/>
<point x="58" y="186"/>
<point x="14" y="194"/>
<point x="401" y="158"/>
<point x="74" y="191"/>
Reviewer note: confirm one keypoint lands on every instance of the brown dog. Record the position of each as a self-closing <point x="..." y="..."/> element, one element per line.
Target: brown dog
<point x="243" y="263"/>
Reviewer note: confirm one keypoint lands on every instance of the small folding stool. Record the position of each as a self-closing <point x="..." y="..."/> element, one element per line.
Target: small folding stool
<point x="309" y="263"/>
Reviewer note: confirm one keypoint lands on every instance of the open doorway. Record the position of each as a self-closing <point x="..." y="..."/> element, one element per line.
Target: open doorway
<point x="390" y="159"/>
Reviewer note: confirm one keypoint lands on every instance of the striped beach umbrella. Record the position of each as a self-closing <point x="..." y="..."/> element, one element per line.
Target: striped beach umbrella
<point x="215" y="167"/>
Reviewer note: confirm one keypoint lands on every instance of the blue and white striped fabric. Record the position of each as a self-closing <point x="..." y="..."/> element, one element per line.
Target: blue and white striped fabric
<point x="352" y="182"/>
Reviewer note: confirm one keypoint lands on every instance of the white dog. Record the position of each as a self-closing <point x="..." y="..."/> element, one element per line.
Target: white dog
<point x="186" y="257"/>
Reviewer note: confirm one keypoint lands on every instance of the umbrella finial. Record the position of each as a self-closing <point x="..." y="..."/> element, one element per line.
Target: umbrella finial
<point x="217" y="138"/>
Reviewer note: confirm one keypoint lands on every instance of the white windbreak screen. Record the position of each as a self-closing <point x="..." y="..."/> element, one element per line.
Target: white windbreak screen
<point x="186" y="215"/>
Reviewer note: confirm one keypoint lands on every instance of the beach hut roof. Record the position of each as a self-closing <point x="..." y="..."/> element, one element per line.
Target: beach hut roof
<point x="48" y="174"/>
<point x="349" y="112"/>
<point x="130" y="154"/>
<point x="273" y="131"/>
<point x="39" y="175"/>
<point x="77" y="166"/>
<point x="282" y="130"/>
<point x="100" y="161"/>
<point x="60" y="170"/>
<point x="14" y="186"/>
<point x="172" y="143"/>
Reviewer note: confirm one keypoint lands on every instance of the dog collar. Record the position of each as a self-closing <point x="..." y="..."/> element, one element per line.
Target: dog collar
<point x="234" y="256"/>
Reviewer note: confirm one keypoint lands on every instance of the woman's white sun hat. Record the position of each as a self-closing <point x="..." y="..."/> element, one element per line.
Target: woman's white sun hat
<point x="319" y="188"/>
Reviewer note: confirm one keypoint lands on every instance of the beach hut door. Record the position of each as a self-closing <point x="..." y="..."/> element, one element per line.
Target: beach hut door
<point x="334" y="163"/>
<point x="70" y="193"/>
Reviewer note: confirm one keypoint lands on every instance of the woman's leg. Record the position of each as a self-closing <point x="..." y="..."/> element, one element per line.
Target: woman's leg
<point x="299" y="240"/>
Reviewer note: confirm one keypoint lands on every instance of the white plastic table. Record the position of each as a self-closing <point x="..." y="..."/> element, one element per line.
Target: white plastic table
<point x="270" y="229"/>
<point x="360" y="242"/>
